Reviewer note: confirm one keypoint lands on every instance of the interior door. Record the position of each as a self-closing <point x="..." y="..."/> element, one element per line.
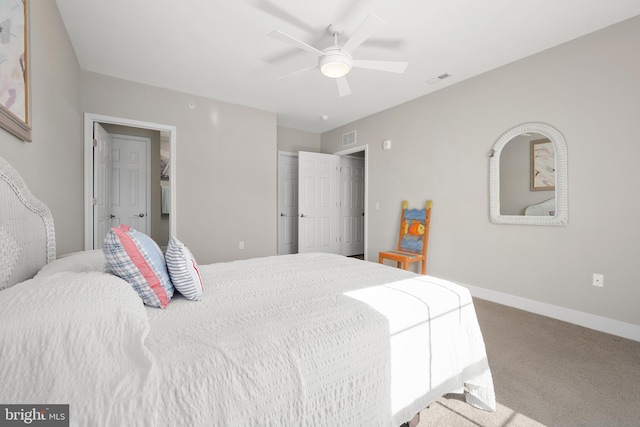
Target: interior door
<point x="130" y="182"/>
<point x="318" y="203"/>
<point x="287" y="203"/>
<point x="352" y="205"/>
<point x="102" y="149"/>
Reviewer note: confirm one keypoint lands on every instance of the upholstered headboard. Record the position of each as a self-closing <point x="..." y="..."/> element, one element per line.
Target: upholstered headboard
<point x="27" y="235"/>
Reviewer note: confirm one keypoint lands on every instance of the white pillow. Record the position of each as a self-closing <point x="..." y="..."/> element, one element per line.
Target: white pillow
<point x="79" y="339"/>
<point x="85" y="261"/>
<point x="183" y="270"/>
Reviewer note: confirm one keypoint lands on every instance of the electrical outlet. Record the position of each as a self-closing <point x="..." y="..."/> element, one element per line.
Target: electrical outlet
<point x="241" y="246"/>
<point x="598" y="280"/>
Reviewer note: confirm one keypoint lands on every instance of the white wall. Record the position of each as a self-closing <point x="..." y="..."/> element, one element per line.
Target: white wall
<point x="226" y="164"/>
<point x="588" y="89"/>
<point x="51" y="165"/>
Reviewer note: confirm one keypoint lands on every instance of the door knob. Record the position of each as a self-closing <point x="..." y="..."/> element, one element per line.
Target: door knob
<point x="301" y="215"/>
<point x="281" y="214"/>
<point x="141" y="215"/>
<point x="112" y="216"/>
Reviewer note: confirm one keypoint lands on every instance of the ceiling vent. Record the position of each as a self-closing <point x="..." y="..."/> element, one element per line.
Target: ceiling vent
<point x="439" y="78"/>
<point x="349" y="138"/>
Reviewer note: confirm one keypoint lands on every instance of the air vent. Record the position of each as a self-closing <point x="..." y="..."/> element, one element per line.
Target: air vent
<point x="349" y="138"/>
<point x="439" y="78"/>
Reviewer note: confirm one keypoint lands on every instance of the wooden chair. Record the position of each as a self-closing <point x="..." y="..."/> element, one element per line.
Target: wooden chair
<point x="412" y="239"/>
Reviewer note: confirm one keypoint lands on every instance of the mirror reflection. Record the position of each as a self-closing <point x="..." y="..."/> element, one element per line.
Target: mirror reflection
<point x="527" y="176"/>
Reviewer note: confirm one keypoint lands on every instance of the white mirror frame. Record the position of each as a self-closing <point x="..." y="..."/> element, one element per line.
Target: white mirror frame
<point x="562" y="212"/>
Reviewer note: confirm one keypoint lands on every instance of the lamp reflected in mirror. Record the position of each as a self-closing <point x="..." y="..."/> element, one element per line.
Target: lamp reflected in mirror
<point x="528" y="176"/>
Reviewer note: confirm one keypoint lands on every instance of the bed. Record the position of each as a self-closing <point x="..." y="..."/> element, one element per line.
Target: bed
<point x="546" y="208"/>
<point x="294" y="340"/>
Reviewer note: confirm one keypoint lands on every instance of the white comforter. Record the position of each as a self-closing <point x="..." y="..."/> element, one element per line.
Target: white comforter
<point x="316" y="340"/>
<point x="300" y="340"/>
<point x="77" y="338"/>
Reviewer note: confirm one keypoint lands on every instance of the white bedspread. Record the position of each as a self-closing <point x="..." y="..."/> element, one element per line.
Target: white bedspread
<point x="316" y="340"/>
<point x="297" y="340"/>
<point x="78" y="339"/>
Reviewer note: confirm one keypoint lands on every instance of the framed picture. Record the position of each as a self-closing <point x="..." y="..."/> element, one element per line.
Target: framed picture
<point x="15" y="109"/>
<point x="543" y="165"/>
<point x="164" y="159"/>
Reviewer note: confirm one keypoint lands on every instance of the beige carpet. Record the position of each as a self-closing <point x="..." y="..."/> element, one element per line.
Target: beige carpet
<point x="548" y="373"/>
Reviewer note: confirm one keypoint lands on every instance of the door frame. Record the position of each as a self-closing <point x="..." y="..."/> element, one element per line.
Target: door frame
<point x="365" y="149"/>
<point x="89" y="119"/>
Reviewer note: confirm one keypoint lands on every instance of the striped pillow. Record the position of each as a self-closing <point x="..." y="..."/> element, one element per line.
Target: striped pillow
<point x="183" y="270"/>
<point x="136" y="258"/>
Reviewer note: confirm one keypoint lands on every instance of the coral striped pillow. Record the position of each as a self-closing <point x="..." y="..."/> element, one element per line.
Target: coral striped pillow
<point x="183" y="270"/>
<point x="136" y="258"/>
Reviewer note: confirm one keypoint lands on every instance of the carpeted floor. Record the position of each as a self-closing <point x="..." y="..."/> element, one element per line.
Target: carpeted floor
<point x="548" y="373"/>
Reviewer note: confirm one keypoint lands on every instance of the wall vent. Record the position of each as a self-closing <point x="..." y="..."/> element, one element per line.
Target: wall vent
<point x="349" y="138"/>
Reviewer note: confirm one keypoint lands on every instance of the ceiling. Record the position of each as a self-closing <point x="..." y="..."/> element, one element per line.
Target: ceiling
<point x="221" y="49"/>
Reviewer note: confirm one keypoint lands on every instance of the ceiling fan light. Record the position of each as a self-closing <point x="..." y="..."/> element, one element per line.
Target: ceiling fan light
<point x="335" y="65"/>
<point x="335" y="69"/>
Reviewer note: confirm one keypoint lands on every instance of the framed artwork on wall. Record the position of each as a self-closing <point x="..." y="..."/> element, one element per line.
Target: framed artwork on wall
<point x="543" y="165"/>
<point x="164" y="158"/>
<point x="15" y="109"/>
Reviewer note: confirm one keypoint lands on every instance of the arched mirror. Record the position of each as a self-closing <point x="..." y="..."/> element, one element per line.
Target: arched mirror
<point x="528" y="176"/>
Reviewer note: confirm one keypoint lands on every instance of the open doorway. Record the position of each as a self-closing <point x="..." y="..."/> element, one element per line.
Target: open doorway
<point x="355" y="215"/>
<point x="160" y="210"/>
<point x="347" y="219"/>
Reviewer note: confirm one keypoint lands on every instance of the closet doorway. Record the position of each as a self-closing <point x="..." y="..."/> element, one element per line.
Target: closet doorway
<point x="101" y="185"/>
<point x="322" y="200"/>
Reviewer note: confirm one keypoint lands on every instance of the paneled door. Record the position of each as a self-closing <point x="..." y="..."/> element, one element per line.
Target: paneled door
<point x="130" y="190"/>
<point x="352" y="205"/>
<point x="318" y="202"/>
<point x="287" y="203"/>
<point x="102" y="150"/>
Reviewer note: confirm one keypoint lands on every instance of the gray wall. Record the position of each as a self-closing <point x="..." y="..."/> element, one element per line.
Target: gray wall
<point x="226" y="153"/>
<point x="226" y="164"/>
<point x="588" y="89"/>
<point x="293" y="140"/>
<point x="51" y="165"/>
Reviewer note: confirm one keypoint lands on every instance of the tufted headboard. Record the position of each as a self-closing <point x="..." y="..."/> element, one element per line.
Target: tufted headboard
<point x="27" y="235"/>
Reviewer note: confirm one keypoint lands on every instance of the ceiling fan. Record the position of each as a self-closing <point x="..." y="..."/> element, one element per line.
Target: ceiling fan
<point x="335" y="61"/>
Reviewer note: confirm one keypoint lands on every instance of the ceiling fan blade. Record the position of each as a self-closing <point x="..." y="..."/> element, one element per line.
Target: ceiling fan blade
<point x="343" y="86"/>
<point x="390" y="66"/>
<point x="286" y="76"/>
<point x="280" y="13"/>
<point x="280" y="35"/>
<point x="350" y="8"/>
<point x="370" y="24"/>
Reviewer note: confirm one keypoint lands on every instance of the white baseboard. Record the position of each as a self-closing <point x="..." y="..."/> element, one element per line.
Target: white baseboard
<point x="591" y="321"/>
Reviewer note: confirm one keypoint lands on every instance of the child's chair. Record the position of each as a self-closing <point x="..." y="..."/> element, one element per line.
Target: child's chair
<point x="412" y="239"/>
